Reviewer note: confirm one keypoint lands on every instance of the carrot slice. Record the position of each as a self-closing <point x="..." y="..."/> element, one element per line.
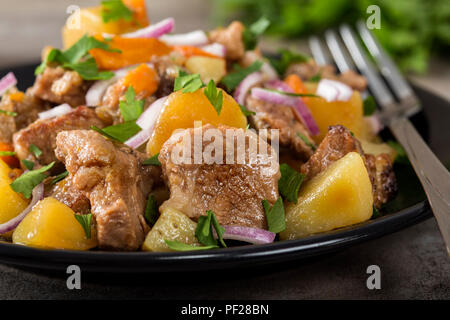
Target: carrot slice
<point x="139" y="11"/>
<point x="143" y="79"/>
<point x="297" y="85"/>
<point x="189" y="51"/>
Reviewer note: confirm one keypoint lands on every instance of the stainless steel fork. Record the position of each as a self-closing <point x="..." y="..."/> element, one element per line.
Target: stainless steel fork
<point x="435" y="178"/>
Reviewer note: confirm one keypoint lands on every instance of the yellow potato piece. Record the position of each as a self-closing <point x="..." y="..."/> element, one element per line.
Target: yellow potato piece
<point x="347" y="113"/>
<point x="51" y="224"/>
<point x="182" y="109"/>
<point x="11" y="202"/>
<point x="338" y="197"/>
<point x="171" y="225"/>
<point x="208" y="68"/>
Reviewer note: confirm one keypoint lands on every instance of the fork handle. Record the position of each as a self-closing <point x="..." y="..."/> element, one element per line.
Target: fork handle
<point x="435" y="178"/>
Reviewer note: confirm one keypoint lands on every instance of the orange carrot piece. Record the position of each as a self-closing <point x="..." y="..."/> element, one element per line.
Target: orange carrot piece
<point x="296" y="85"/>
<point x="139" y="11"/>
<point x="17" y="96"/>
<point x="143" y="79"/>
<point x="12" y="161"/>
<point x="189" y="51"/>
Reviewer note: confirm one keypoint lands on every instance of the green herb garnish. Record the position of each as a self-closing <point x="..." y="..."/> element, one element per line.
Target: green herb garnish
<point x="7" y="153"/>
<point x="28" y="164"/>
<point x="369" y="106"/>
<point x="9" y="113"/>
<point x="315" y="78"/>
<point x="187" y="82"/>
<point x="246" y="112"/>
<point x="152" y="161"/>
<point x="85" y="221"/>
<point x="306" y="141"/>
<point x="119" y="132"/>
<point x="151" y="211"/>
<point x="204" y="232"/>
<point x="179" y="246"/>
<point x="214" y="96"/>
<point x="401" y="156"/>
<point x="232" y="80"/>
<point x="59" y="177"/>
<point x="287" y="58"/>
<point x="251" y="34"/>
<point x="35" y="150"/>
<point x="293" y="94"/>
<point x="29" y="180"/>
<point x="113" y="10"/>
<point x="275" y="215"/>
<point x="290" y="183"/>
<point x="131" y="109"/>
<point x="375" y="213"/>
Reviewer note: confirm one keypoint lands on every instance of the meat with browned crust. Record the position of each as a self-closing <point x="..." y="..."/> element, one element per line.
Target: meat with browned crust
<point x="232" y="191"/>
<point x="231" y="38"/>
<point x="114" y="179"/>
<point x="59" y="86"/>
<point x="283" y="118"/>
<point x="65" y="192"/>
<point x="337" y="143"/>
<point x="42" y="133"/>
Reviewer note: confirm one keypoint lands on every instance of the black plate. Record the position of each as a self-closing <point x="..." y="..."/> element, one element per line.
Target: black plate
<point x="408" y="208"/>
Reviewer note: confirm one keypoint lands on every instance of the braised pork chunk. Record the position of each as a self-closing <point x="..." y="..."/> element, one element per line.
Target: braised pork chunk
<point x="114" y="180"/>
<point x="233" y="191"/>
<point x="231" y="38"/>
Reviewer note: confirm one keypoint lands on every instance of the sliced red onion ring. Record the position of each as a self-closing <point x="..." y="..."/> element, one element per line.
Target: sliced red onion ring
<point x="37" y="195"/>
<point x="194" y="38"/>
<point x="57" y="111"/>
<point x="245" y="85"/>
<point x="153" y="31"/>
<point x="247" y="234"/>
<point x="332" y="90"/>
<point x="7" y="82"/>
<point x="295" y="102"/>
<point x="147" y="122"/>
<point x="374" y="123"/>
<point x="216" y="49"/>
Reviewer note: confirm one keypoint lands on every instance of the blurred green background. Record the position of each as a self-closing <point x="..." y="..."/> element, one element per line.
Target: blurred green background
<point x="411" y="30"/>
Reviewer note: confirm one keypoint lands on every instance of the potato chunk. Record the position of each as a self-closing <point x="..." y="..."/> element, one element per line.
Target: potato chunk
<point x="52" y="224"/>
<point x="208" y="68"/>
<point x="171" y="225"/>
<point x="339" y="196"/>
<point x="11" y="202"/>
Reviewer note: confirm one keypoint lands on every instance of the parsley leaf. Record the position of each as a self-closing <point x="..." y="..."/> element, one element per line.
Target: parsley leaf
<point x="290" y="183"/>
<point x="179" y="246"/>
<point x="119" y="132"/>
<point x="204" y="232"/>
<point x="369" y="106"/>
<point x="113" y="10"/>
<point x="375" y="213"/>
<point x="9" y="113"/>
<point x="28" y="164"/>
<point x="151" y="211"/>
<point x="35" y="150"/>
<point x="152" y="161"/>
<point x="7" y="153"/>
<point x="214" y="96"/>
<point x="293" y="94"/>
<point x="306" y="141"/>
<point x="275" y="215"/>
<point x="250" y="34"/>
<point x="187" y="82"/>
<point x="219" y="229"/>
<point x="246" y="112"/>
<point x="315" y="78"/>
<point x="401" y="156"/>
<point x="88" y="70"/>
<point x="59" y="177"/>
<point x="85" y="221"/>
<point x="131" y="109"/>
<point x="29" y="180"/>
<point x="232" y="80"/>
<point x="287" y="57"/>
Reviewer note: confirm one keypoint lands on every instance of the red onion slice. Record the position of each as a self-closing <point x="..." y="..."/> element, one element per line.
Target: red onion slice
<point x="245" y="85"/>
<point x="194" y="38"/>
<point x="7" y="82"/>
<point x="37" y="195"/>
<point x="57" y="111"/>
<point x="95" y="93"/>
<point x="153" y="31"/>
<point x="295" y="102"/>
<point x="216" y="49"/>
<point x="332" y="90"/>
<point x="247" y="234"/>
<point x="147" y="122"/>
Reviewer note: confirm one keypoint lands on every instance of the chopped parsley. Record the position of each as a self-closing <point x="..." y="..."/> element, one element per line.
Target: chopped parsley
<point x="152" y="161"/>
<point x="59" y="177"/>
<point x="35" y="150"/>
<point x="151" y="211"/>
<point x="315" y="78"/>
<point x="131" y="109"/>
<point x="306" y="141"/>
<point x="187" y="82"/>
<point x="369" y="106"/>
<point x="7" y="153"/>
<point x="232" y="80"/>
<point x="113" y="10"/>
<point x="85" y="221"/>
<point x="287" y="57"/>
<point x="179" y="246"/>
<point x="275" y="215"/>
<point x="246" y="112"/>
<point x="401" y="156"/>
<point x="77" y="58"/>
<point x="28" y="164"/>
<point x="29" y="180"/>
<point x="376" y="213"/>
<point x="251" y="34"/>
<point x="119" y="132"/>
<point x="8" y="113"/>
<point x="290" y="183"/>
<point x="214" y="96"/>
<point x="293" y="94"/>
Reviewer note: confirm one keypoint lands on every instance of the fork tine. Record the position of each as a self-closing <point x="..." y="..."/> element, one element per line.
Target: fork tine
<point x="318" y="51"/>
<point x="376" y="84"/>
<point x="388" y="68"/>
<point x="342" y="60"/>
